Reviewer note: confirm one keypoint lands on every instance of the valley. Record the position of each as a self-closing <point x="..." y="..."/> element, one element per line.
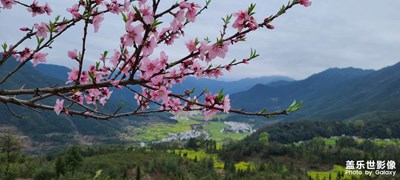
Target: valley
<point x="312" y="143"/>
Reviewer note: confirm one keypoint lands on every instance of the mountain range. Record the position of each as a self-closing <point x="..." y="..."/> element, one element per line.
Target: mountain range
<point x="334" y="94"/>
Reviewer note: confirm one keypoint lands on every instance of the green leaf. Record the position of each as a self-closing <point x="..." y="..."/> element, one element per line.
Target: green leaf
<point x="4" y="45"/>
<point x="208" y="2"/>
<point x="227" y="20"/>
<point x="57" y="18"/>
<point x="253" y="54"/>
<point x="205" y="90"/>
<point x="137" y="11"/>
<point x="263" y="111"/>
<point x="294" y="107"/>
<point x="76" y="90"/>
<point x="39" y="40"/>
<point x="51" y="26"/>
<point x="250" y="9"/>
<point x="105" y="54"/>
<point x="293" y="103"/>
<point x="220" y="95"/>
<point x="91" y="74"/>
<point x="97" y="66"/>
<point x="51" y="42"/>
<point x="122" y="104"/>
<point x="124" y="17"/>
<point x="156" y="23"/>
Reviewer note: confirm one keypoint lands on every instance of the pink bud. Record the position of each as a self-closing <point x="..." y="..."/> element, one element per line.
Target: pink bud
<point x="305" y="3"/>
<point x="183" y="5"/>
<point x="228" y="67"/>
<point x="24" y="29"/>
<point x="270" y="26"/>
<point x="73" y="54"/>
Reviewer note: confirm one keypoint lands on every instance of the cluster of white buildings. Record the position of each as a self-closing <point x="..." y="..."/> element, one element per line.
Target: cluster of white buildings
<point x="236" y="127"/>
<point x="185" y="136"/>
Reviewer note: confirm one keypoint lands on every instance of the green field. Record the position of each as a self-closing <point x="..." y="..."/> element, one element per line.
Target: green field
<point x="330" y="142"/>
<point x="245" y="166"/>
<point x="158" y="131"/>
<point x="161" y="130"/>
<point x="316" y="175"/>
<point x="383" y="142"/>
<point x="215" y="117"/>
<point x="214" y="129"/>
<point x="201" y="154"/>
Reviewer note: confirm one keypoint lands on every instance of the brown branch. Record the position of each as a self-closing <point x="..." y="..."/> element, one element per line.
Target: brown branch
<point x="87" y="10"/>
<point x="12" y="112"/>
<point x="63" y="89"/>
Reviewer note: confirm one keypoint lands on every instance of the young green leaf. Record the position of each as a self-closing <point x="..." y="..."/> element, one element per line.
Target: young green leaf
<point x="124" y="17"/>
<point x="4" y="45"/>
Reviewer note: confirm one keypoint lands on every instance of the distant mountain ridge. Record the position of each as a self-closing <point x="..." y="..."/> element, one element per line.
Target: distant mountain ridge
<point x="213" y="85"/>
<point x="229" y="87"/>
<point x="335" y="94"/>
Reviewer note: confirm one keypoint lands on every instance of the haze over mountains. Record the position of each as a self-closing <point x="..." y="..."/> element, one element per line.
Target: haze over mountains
<point x="334" y="94"/>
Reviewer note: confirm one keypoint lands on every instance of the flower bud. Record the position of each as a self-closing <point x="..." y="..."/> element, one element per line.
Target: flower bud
<point x="24" y="29"/>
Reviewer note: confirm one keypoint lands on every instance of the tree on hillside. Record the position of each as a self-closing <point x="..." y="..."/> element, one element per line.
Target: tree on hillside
<point x="134" y="65"/>
<point x="73" y="158"/>
<point x="138" y="175"/>
<point x="264" y="138"/>
<point x="60" y="166"/>
<point x="10" y="146"/>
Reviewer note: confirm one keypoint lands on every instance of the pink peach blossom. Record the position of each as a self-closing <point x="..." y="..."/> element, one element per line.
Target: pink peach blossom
<point x="34" y="8"/>
<point x="147" y="14"/>
<point x="7" y="4"/>
<point x="160" y="94"/>
<point x="114" y="59"/>
<point x="39" y="57"/>
<point x="59" y="106"/>
<point x="133" y="35"/>
<point x="24" y="55"/>
<point x="191" y="45"/>
<point x="47" y="9"/>
<point x="97" y="22"/>
<point x="74" y="10"/>
<point x="73" y="75"/>
<point x="42" y="30"/>
<point x="148" y="46"/>
<point x="227" y="104"/>
<point x="241" y="18"/>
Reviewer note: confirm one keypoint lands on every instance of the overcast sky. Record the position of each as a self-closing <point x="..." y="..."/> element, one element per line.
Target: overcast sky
<point x="330" y="33"/>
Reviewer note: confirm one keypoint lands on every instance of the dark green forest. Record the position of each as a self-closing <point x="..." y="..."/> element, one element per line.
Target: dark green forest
<point x="288" y="150"/>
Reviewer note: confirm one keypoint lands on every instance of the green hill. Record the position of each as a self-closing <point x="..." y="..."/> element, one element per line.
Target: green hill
<point x="334" y="94"/>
